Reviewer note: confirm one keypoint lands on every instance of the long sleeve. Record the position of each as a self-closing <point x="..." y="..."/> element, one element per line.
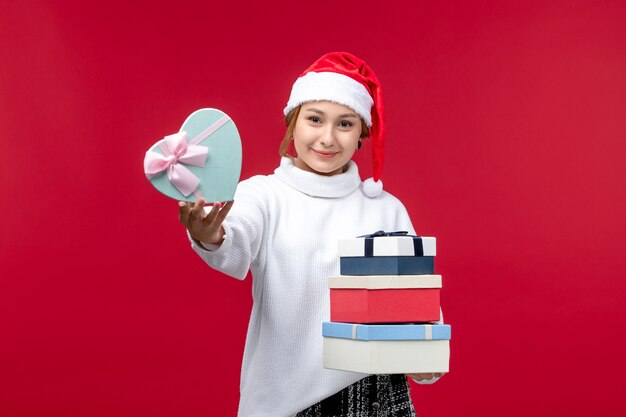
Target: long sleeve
<point x="244" y="227"/>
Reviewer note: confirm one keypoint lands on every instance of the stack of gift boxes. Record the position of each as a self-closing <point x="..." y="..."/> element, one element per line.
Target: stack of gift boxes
<point x="383" y="307"/>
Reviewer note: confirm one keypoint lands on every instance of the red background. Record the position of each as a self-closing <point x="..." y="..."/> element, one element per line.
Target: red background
<point x="506" y="140"/>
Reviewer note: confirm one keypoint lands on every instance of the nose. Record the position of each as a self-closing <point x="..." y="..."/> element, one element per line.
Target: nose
<point x="327" y="137"/>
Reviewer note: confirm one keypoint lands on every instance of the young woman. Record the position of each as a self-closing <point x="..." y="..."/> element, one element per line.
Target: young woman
<point x="284" y="228"/>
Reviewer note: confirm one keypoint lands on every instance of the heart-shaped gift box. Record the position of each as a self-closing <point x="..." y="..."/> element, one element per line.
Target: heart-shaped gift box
<point x="202" y="160"/>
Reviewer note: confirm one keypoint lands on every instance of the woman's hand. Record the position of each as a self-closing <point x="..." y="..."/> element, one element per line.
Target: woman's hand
<point x="424" y="377"/>
<point x="204" y="227"/>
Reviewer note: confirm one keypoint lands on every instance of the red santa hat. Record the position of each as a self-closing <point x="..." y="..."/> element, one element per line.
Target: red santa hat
<point x="343" y="78"/>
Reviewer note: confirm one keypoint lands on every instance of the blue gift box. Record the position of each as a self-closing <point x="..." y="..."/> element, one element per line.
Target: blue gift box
<point x="387" y="265"/>
<point x="382" y="349"/>
<point x="386" y="331"/>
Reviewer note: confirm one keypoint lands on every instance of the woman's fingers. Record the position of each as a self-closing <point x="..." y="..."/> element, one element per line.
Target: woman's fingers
<point x="224" y="211"/>
<point x="205" y="227"/>
<point x="210" y="217"/>
<point x="423" y="376"/>
<point x="183" y="215"/>
<point x="218" y="213"/>
<point x="197" y="216"/>
<point x="197" y="209"/>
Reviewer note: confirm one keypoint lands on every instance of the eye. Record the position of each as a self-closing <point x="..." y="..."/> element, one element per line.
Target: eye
<point x="345" y="124"/>
<point x="314" y="119"/>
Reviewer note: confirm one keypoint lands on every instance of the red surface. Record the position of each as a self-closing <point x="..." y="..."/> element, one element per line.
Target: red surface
<point x="384" y="306"/>
<point x="506" y="140"/>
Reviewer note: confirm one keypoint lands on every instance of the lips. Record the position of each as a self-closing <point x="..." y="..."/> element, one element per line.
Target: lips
<point x="325" y="154"/>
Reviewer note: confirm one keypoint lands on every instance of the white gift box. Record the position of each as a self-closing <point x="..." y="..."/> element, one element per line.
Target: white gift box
<point x="386" y="349"/>
<point x="388" y="246"/>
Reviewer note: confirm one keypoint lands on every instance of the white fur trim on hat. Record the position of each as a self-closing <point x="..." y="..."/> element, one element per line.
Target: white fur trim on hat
<point x="335" y="87"/>
<point x="372" y="188"/>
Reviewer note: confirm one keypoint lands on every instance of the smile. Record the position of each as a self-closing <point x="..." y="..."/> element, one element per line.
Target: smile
<point x="325" y="154"/>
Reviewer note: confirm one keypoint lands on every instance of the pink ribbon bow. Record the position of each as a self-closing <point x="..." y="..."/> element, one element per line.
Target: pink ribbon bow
<point x="176" y="152"/>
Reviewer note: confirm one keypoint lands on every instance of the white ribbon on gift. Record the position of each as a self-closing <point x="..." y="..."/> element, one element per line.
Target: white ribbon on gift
<point x="428" y="331"/>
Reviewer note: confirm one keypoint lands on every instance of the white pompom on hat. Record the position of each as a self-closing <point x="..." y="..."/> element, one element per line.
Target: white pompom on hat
<point x="344" y="79"/>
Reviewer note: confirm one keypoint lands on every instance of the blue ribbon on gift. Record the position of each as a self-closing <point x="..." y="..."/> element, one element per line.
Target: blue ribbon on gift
<point x="369" y="241"/>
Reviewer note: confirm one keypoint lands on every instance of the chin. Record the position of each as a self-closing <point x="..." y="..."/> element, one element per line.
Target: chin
<point x="329" y="171"/>
<point x="323" y="167"/>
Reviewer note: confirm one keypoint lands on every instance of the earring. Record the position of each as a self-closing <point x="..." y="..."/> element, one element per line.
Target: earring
<point x="358" y="146"/>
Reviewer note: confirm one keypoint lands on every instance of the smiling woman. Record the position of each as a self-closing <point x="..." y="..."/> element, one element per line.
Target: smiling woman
<point x="291" y="120"/>
<point x="325" y="137"/>
<point x="283" y="227"/>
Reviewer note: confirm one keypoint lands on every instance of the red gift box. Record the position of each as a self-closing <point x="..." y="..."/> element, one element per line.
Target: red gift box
<point x="385" y="298"/>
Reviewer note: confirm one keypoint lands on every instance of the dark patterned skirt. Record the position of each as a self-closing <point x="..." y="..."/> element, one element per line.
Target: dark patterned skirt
<point x="374" y="396"/>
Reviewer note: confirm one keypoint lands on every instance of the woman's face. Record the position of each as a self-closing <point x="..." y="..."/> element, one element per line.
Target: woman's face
<point x="325" y="137"/>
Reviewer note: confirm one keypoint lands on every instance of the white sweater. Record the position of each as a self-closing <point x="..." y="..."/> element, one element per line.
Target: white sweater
<point x="284" y="228"/>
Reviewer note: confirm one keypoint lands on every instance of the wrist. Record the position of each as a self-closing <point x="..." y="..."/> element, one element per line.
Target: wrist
<point x="215" y="240"/>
